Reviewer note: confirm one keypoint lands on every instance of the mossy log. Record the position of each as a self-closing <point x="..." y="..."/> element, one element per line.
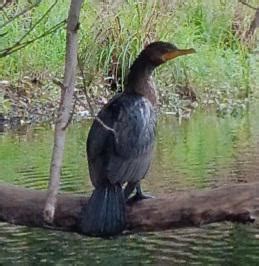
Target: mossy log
<point x="236" y="203"/>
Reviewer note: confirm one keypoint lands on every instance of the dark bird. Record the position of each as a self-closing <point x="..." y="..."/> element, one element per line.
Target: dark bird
<point x="120" y="144"/>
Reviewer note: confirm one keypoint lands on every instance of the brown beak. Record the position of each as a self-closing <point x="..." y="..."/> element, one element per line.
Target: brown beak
<point x="178" y="52"/>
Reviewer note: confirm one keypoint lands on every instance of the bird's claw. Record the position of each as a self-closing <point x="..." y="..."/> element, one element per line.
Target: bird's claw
<point x="138" y="197"/>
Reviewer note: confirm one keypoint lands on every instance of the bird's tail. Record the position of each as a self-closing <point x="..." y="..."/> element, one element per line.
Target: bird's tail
<point x="104" y="213"/>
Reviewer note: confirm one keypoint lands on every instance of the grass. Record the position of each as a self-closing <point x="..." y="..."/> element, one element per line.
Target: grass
<point x="112" y="35"/>
<point x="44" y="55"/>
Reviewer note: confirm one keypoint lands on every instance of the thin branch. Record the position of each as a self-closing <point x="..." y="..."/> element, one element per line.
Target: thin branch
<point x="58" y="83"/>
<point x="64" y="110"/>
<point x="70" y="117"/>
<point x="62" y="87"/>
<point x="39" y="21"/>
<point x="19" y="14"/>
<point x="19" y="46"/>
<point x="246" y="4"/>
<point x="19" y="43"/>
<point x="88" y="99"/>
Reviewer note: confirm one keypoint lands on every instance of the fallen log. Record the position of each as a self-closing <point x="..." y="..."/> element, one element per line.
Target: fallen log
<point x="237" y="203"/>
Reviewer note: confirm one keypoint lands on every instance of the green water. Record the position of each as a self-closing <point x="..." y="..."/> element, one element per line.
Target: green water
<point x="206" y="151"/>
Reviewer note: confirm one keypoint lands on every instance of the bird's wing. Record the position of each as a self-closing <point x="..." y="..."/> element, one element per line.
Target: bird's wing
<point x="124" y="154"/>
<point x="135" y="130"/>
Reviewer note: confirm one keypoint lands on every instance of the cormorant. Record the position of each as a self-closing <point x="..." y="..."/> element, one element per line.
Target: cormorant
<point x="120" y="143"/>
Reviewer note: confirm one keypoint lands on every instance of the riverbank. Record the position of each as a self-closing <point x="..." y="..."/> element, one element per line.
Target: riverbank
<point x="33" y="101"/>
<point x="222" y="73"/>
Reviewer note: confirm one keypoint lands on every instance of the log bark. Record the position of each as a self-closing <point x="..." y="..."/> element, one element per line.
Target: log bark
<point x="237" y="203"/>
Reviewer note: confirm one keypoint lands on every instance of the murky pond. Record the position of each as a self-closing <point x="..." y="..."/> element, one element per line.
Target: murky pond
<point x="206" y="151"/>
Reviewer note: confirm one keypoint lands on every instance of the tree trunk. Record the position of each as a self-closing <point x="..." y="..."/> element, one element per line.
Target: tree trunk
<point x="65" y="108"/>
<point x="239" y="203"/>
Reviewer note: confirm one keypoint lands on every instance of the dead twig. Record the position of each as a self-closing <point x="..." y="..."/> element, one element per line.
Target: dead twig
<point x="20" y="44"/>
<point x="87" y="96"/>
<point x="19" y="14"/>
<point x="246" y="4"/>
<point x="88" y="99"/>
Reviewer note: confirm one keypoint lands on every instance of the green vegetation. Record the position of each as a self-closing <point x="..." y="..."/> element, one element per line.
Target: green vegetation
<point x="112" y="35"/>
<point x="42" y="56"/>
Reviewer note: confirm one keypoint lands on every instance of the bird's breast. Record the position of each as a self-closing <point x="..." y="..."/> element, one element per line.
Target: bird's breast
<point x="135" y="127"/>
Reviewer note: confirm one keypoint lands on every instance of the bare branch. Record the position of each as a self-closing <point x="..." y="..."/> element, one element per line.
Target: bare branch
<point x="19" y="46"/>
<point x="58" y="83"/>
<point x="246" y="4"/>
<point x="70" y="117"/>
<point x="62" y="87"/>
<point x="88" y="99"/>
<point x="19" y="14"/>
<point x="64" y="111"/>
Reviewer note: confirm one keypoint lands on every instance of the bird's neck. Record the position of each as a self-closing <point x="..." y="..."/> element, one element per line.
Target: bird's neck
<point x="139" y="80"/>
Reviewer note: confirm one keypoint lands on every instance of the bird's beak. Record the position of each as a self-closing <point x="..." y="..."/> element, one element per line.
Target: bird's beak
<point x="178" y="52"/>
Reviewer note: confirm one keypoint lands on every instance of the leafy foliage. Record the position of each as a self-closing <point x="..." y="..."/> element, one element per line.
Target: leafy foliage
<point x="113" y="33"/>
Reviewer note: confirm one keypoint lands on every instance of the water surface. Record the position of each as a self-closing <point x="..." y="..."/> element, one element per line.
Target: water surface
<point x="204" y="152"/>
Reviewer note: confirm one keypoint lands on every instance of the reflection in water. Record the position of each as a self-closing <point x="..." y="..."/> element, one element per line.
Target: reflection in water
<point x="206" y="151"/>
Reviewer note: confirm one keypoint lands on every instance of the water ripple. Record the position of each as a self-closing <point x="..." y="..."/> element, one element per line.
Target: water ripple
<point x="206" y="151"/>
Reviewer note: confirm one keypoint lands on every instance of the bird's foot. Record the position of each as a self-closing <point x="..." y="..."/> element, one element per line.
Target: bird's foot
<point x="138" y="197"/>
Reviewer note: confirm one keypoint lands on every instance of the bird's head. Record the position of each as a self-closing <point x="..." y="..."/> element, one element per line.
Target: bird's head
<point x="158" y="53"/>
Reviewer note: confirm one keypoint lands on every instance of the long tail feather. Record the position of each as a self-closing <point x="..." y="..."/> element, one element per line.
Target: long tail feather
<point x="104" y="213"/>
